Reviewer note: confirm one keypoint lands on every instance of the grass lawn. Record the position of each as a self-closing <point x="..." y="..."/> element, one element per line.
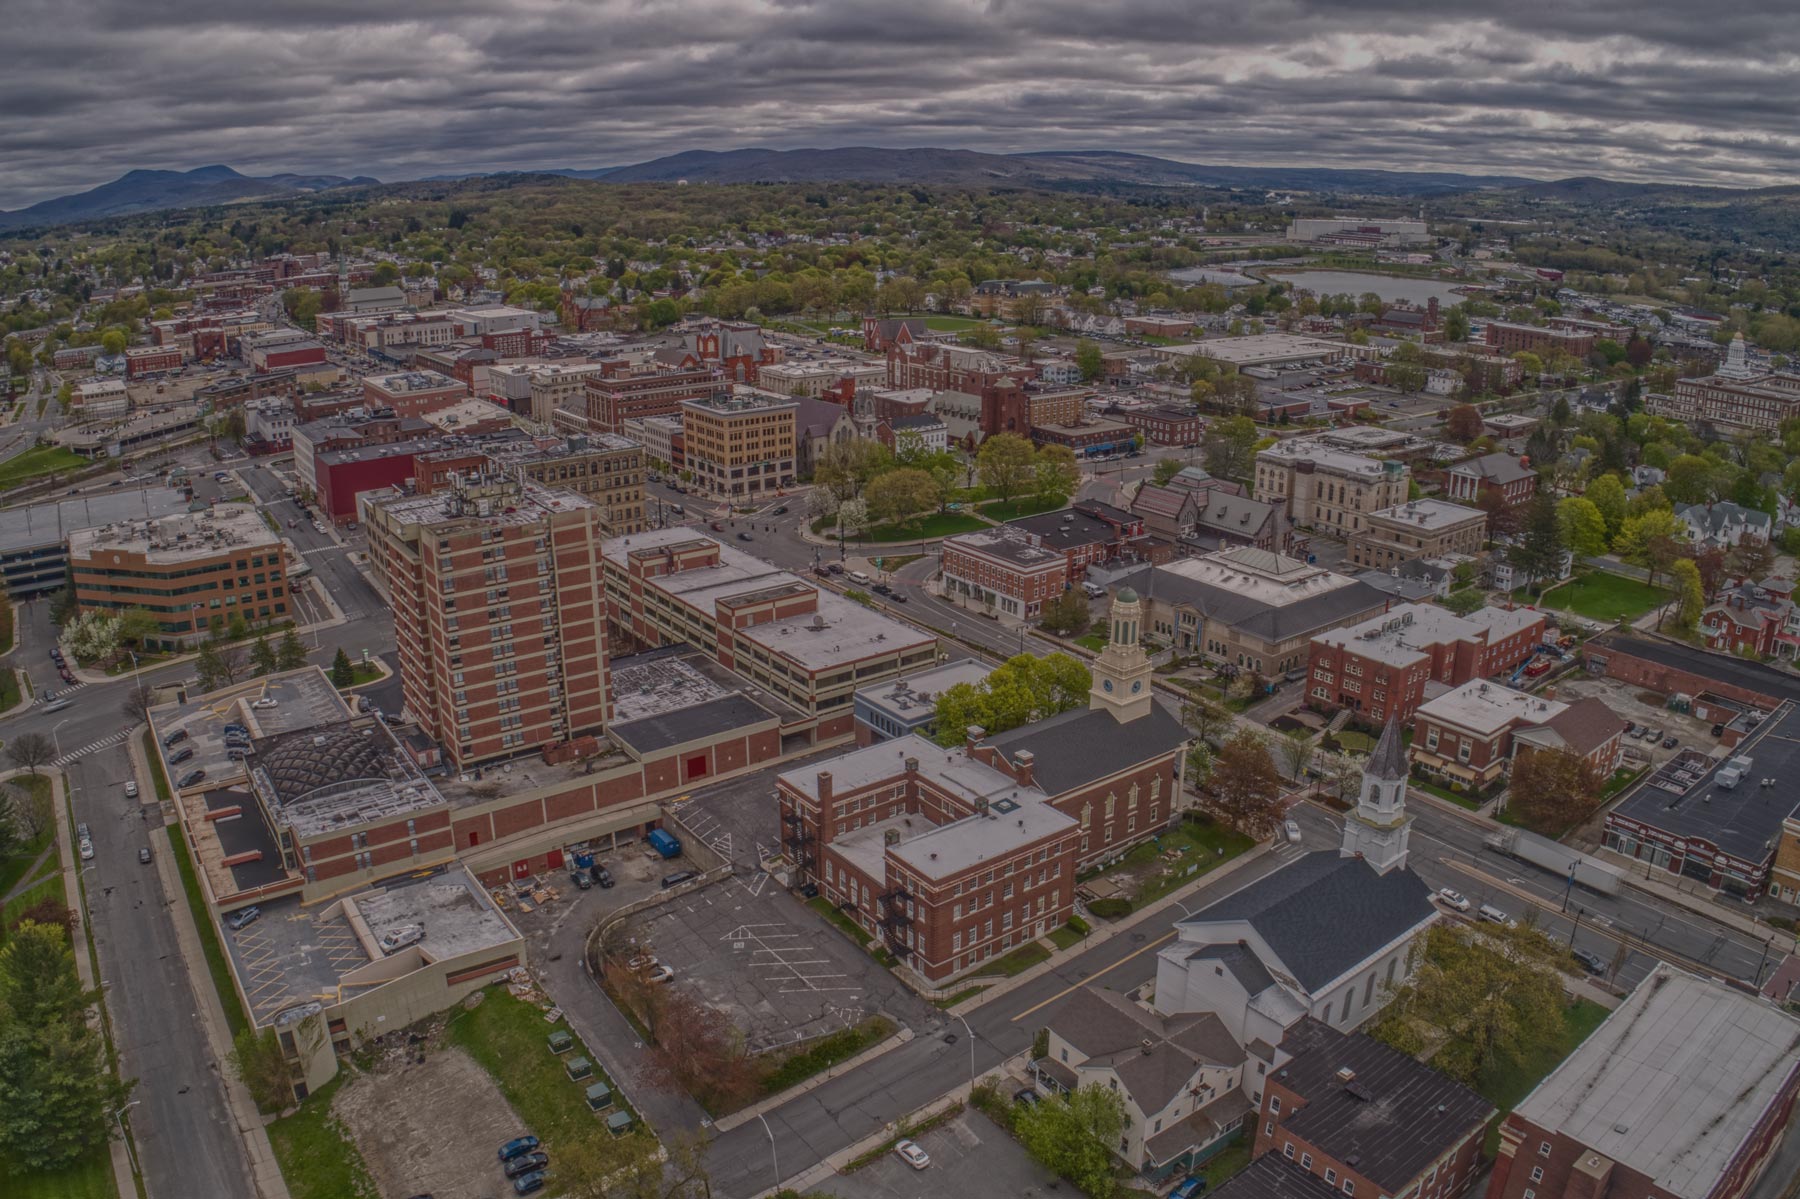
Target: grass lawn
<point x="1021" y="959"/>
<point x="216" y="965"/>
<point x="1013" y="509"/>
<point x="12" y="869"/>
<point x="507" y="1036"/>
<point x="91" y="1178"/>
<point x="1093" y="641"/>
<point x="1354" y="742"/>
<point x="938" y="524"/>
<point x="825" y="1053"/>
<point x="1064" y="936"/>
<point x="6" y="624"/>
<point x="1600" y="596"/>
<point x="1505" y="1088"/>
<point x="35" y="463"/>
<point x="951" y="1001"/>
<point x="50" y="888"/>
<point x="893" y="562"/>
<point x="1203" y="845"/>
<point x="1466" y="801"/>
<point x="361" y="674"/>
<point x="827" y="909"/>
<point x="1225" y="1163"/>
<point x="318" y="1159"/>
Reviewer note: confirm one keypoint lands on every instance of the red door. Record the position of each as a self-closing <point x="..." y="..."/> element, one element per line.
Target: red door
<point x="696" y="767"/>
<point x="522" y="868"/>
<point x="554" y="859"/>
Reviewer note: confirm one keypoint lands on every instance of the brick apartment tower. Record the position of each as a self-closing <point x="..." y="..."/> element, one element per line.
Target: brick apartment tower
<point x="499" y="613"/>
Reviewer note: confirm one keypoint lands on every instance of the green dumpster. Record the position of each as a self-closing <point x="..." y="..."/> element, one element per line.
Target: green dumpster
<point x="578" y="1067"/>
<point x="599" y="1095"/>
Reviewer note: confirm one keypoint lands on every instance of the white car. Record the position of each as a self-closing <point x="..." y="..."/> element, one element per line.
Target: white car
<point x="660" y="973"/>
<point x="87" y="850"/>
<point x="131" y="791"/>
<point x="1292" y="829"/>
<point x="910" y="1153"/>
<point x="265" y="702"/>
<point x="1453" y="899"/>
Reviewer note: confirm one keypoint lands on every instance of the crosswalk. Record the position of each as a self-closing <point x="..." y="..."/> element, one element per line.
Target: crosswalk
<point x="60" y="692"/>
<point x="84" y="751"/>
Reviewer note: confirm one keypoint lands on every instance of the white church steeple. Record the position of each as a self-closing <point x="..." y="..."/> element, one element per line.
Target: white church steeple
<point x="1377" y="831"/>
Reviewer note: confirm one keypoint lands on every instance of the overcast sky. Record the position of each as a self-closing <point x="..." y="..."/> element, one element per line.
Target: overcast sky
<point x="1641" y="89"/>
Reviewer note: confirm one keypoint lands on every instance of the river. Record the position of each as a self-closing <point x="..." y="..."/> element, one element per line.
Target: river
<point x="1392" y="288"/>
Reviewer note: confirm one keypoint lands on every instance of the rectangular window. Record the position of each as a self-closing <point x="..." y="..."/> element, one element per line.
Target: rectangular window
<point x="1306" y="1161"/>
<point x="1543" y="1148"/>
<point x="1349" y="1186"/>
<point x="1287" y="1150"/>
<point x="1537" y="1173"/>
<point x="1275" y="1105"/>
<point x="1331" y="1177"/>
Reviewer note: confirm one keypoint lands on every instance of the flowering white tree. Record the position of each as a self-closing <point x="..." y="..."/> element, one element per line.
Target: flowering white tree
<point x="94" y="636"/>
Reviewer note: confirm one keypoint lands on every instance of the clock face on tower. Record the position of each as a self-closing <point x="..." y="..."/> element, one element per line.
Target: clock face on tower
<point x="1106" y="683"/>
<point x="1137" y="687"/>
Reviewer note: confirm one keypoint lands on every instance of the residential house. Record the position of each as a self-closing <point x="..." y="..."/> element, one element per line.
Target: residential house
<point x="1759" y="619"/>
<point x="1723" y="524"/>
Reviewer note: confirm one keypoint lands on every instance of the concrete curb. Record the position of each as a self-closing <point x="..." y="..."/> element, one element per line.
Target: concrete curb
<point x="265" y="1171"/>
<point x="745" y="1115"/>
<point x="818" y="1173"/>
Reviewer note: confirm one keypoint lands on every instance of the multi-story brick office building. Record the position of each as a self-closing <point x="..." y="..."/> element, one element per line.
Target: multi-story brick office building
<point x="1684" y="1092"/>
<point x="1162" y="425"/>
<point x="739" y="448"/>
<point x="143" y="361"/>
<point x="413" y="393"/>
<point x="1423" y="528"/>
<point x="608" y="401"/>
<point x="1378" y="668"/>
<point x="1333" y="490"/>
<point x="1469" y="734"/>
<point x="956" y="856"/>
<point x="1021" y="565"/>
<point x="499" y="615"/>
<point x="1736" y="399"/>
<point x="808" y="647"/>
<point x="606" y="469"/>
<point x="1507" y="337"/>
<point x="192" y="571"/>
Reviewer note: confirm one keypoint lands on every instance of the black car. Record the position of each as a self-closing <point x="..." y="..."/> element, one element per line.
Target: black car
<point x="676" y="879"/>
<point x="181" y="755"/>
<point x="528" y="1183"/>
<point x="1590" y="961"/>
<point x="179" y="735"/>
<point x="190" y="778"/>
<point x="527" y="1163"/>
<point x="781" y="511"/>
<point x="1027" y="1097"/>
<point x="882" y="589"/>
<point x="580" y="879"/>
<point x="836" y="568"/>
<point x="1718" y="730"/>
<point x="745" y="537"/>
<point x="899" y="597"/>
<point x="603" y="877"/>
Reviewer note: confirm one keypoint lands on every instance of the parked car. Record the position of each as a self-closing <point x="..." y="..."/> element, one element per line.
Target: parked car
<point x="131" y="790"/>
<point x="190" y="779"/>
<point x="1718" y="730"/>
<point x="899" y="597"/>
<point x="81" y="832"/>
<point x="525" y="1163"/>
<point x="174" y="738"/>
<point x="1630" y="727"/>
<point x="1027" y="1097"/>
<point x="836" y="568"/>
<point x="1189" y="1187"/>
<point x="603" y="877"/>
<point x="144" y="855"/>
<point x="400" y="938"/>
<point x="1590" y="961"/>
<point x="676" y="879"/>
<point x="909" y="1152"/>
<point x="1292" y="829"/>
<point x="242" y="918"/>
<point x="527" y="1184"/>
<point x="265" y="702"/>
<point x="181" y="755"/>
<point x="514" y="1147"/>
<point x="87" y="850"/>
<point x="1670" y="743"/>
<point x="581" y="880"/>
<point x="660" y="973"/>
<point x="882" y="589"/>
<point x="1494" y="915"/>
<point x="236" y="730"/>
<point x="745" y="537"/>
<point x="1453" y="899"/>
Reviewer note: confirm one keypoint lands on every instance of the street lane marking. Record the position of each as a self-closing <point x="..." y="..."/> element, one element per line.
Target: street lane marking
<point x="1166" y="937"/>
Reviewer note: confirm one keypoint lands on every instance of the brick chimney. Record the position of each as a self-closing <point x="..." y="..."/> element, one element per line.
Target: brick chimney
<point x="971" y="735"/>
<point x="826" y="823"/>
<point x="1022" y="768"/>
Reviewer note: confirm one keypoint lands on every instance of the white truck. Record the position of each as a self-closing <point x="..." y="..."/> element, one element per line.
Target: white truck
<point x="1557" y="858"/>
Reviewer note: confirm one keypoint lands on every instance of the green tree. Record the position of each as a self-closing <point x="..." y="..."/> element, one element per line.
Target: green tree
<point x="1492" y="1000"/>
<point x="28" y="751"/>
<point x="38" y="984"/>
<point x="1073" y="1135"/>
<point x="217" y="665"/>
<point x="137" y="625"/>
<point x="1538" y="553"/>
<point x="290" y="655"/>
<point x="385" y="274"/>
<point x="113" y="342"/>
<point x="1691" y="480"/>
<point x="1089" y="360"/>
<point x="1406" y="377"/>
<point x="1645" y="540"/>
<point x="342" y="673"/>
<point x="262" y="657"/>
<point x="57" y="1097"/>
<point x="1230" y="448"/>
<point x="1463" y="423"/>
<point x="1165" y="470"/>
<point x="1020" y="690"/>
<point x="1006" y="463"/>
<point x="1607" y="494"/>
<point x="258" y="1061"/>
<point x="1068" y="613"/>
<point x="1054" y="476"/>
<point x="902" y="496"/>
<point x="1688" y="591"/>
<point x="1245" y="786"/>
<point x="1464" y="602"/>
<point x="1583" y="528"/>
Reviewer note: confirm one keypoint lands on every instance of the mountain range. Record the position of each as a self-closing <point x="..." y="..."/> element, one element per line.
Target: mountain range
<point x="147" y="191"/>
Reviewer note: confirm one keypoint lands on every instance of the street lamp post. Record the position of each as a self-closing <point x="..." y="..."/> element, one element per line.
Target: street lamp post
<point x="1569" y="888"/>
<point x="773" y="1159"/>
<point x="971" y="1035"/>
<point x="119" y="1118"/>
<point x="54" y="741"/>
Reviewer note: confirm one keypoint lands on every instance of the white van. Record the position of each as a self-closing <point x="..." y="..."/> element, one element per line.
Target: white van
<point x="858" y="577"/>
<point x="400" y="938"/>
<point x="1494" y="915"/>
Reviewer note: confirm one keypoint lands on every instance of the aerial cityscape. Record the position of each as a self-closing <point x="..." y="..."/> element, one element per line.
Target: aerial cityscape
<point x="1117" y="603"/>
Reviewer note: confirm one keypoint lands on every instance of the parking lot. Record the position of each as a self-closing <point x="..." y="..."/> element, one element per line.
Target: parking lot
<point x="1628" y="703"/>
<point x="737" y="818"/>
<point x="750" y="949"/>
<point x="971" y="1158"/>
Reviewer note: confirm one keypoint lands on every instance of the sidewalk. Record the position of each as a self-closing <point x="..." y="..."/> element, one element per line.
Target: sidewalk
<point x="124" y="1176"/>
<point x="264" y="1169"/>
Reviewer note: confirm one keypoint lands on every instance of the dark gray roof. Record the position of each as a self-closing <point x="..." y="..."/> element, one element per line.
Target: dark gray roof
<point x="1496" y="468"/>
<point x="1057" y="531"/>
<point x="1322" y="913"/>
<point x="1745" y="820"/>
<point x="1391" y="1121"/>
<point x="1154" y="1056"/>
<point x="1400" y="584"/>
<point x="1273" y="1176"/>
<point x="1389" y="759"/>
<point x="299" y="763"/>
<point x="1313" y="614"/>
<point x="246" y="833"/>
<point x="709" y="719"/>
<point x="1777" y="685"/>
<point x="1244" y="965"/>
<point x="1075" y="748"/>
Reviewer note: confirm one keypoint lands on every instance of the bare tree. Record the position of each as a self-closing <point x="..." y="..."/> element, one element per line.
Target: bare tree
<point x="1296" y="749"/>
<point x="28" y="751"/>
<point x="1245" y="786"/>
<point x="33" y="812"/>
<point x="137" y="704"/>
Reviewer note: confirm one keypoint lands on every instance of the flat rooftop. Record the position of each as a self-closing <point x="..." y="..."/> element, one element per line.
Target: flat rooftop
<point x="530" y="503"/>
<point x="905" y="698"/>
<point x="1485" y="708"/>
<point x="1686" y="798"/>
<point x="1407" y="632"/>
<point x="218" y="530"/>
<point x="34" y="526"/>
<point x="1674" y="1081"/>
<point x="1326" y="457"/>
<point x="1429" y="515"/>
<point x="1256" y="349"/>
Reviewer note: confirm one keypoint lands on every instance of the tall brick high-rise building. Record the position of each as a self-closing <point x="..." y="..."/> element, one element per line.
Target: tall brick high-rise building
<point x="498" y="612"/>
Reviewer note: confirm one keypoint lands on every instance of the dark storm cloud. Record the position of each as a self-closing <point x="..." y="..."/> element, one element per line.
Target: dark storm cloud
<point x="1648" y="89"/>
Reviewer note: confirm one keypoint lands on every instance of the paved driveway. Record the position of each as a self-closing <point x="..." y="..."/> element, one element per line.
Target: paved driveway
<point x="971" y="1158"/>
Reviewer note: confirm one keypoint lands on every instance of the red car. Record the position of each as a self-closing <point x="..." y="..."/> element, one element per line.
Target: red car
<point x="1540" y="667"/>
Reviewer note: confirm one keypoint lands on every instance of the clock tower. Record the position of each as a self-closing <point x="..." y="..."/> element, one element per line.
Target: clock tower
<point x="1122" y="672"/>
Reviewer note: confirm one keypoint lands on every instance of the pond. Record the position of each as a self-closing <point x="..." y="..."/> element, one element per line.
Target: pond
<point x="1391" y="288"/>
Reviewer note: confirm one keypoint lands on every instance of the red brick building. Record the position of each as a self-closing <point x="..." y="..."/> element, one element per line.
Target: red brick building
<point x="1508" y="338"/>
<point x="499" y="614"/>
<point x="1469" y="734"/>
<point x="1366" y="1120"/>
<point x="1683" y="1093"/>
<point x="1511" y="478"/>
<point x="880" y="333"/>
<point x="413" y="393"/>
<point x="738" y="349"/>
<point x="142" y="361"/>
<point x="945" y="367"/>
<point x="1161" y="426"/>
<point x="1378" y="668"/>
<point x="1024" y="563"/>
<point x="610" y="400"/>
